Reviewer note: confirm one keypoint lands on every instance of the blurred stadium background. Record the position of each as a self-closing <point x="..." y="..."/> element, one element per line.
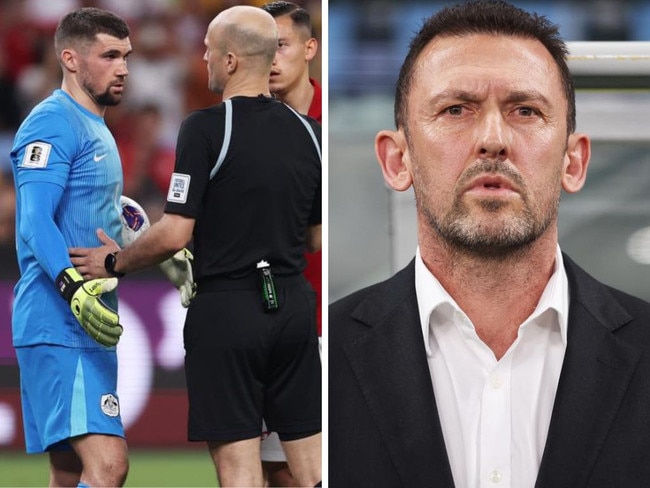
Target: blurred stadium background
<point x="605" y="227"/>
<point x="167" y="79"/>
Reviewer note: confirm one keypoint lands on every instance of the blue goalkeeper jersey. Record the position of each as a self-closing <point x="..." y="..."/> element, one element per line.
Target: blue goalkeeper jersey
<point x="68" y="179"/>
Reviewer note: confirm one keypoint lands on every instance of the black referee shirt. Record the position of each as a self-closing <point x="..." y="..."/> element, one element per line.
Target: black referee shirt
<point x="255" y="200"/>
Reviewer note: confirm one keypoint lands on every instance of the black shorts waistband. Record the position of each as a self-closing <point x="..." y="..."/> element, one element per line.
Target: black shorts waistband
<point x="251" y="282"/>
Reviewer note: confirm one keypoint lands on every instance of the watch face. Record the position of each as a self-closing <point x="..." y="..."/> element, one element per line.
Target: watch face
<point x="109" y="264"/>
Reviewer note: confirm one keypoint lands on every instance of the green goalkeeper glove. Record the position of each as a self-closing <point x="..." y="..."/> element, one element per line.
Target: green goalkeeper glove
<point x="178" y="270"/>
<point x="98" y="320"/>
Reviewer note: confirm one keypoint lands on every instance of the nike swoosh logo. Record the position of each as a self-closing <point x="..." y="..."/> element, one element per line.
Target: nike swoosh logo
<point x="99" y="158"/>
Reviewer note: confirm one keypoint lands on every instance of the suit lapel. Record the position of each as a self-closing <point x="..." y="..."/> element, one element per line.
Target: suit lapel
<point x="390" y="365"/>
<point x="596" y="372"/>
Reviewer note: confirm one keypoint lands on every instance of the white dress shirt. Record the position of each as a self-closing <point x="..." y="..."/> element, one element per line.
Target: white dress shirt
<point x="494" y="414"/>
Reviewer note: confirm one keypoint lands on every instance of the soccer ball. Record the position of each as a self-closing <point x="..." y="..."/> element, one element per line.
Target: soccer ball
<point x="134" y="220"/>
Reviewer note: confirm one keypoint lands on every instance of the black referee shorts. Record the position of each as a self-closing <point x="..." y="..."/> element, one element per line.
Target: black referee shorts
<point x="242" y="364"/>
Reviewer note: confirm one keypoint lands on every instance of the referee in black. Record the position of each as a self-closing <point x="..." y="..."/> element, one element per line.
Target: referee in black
<point x="247" y="188"/>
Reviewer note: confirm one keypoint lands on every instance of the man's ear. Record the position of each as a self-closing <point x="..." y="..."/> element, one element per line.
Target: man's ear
<point x="311" y="48"/>
<point x="69" y="60"/>
<point x="231" y="63"/>
<point x="576" y="161"/>
<point x="391" y="152"/>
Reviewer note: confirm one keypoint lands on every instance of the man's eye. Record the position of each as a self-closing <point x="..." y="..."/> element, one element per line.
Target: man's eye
<point x="526" y="111"/>
<point x="455" y="110"/>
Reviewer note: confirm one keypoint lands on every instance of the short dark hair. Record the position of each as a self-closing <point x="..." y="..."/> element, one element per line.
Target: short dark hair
<point x="299" y="15"/>
<point x="84" y="24"/>
<point x="486" y="17"/>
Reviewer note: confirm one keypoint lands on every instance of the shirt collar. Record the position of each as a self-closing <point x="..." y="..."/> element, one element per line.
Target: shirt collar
<point x="431" y="294"/>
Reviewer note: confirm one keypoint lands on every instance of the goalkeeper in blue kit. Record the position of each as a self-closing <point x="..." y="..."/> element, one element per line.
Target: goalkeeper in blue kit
<point x="68" y="178"/>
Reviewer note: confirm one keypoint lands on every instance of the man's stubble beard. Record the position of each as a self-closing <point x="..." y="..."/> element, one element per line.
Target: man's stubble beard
<point x="107" y="100"/>
<point x="469" y="234"/>
<point x="104" y="99"/>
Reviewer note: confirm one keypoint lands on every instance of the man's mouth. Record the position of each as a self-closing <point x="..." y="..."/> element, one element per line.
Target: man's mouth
<point x="491" y="185"/>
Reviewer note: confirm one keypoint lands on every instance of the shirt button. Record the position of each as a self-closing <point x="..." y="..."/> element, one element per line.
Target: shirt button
<point x="495" y="381"/>
<point x="495" y="476"/>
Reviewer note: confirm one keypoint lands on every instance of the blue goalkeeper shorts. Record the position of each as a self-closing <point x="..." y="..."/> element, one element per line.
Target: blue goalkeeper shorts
<point x="67" y="392"/>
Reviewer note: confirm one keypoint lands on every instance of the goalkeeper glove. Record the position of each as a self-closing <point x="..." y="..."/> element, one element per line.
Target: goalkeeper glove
<point x="98" y="320"/>
<point x="178" y="270"/>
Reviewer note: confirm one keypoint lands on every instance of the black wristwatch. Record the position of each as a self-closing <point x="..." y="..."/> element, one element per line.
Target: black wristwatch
<point x="109" y="265"/>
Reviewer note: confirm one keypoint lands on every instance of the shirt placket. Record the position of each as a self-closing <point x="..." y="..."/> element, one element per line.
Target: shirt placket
<point x="495" y="427"/>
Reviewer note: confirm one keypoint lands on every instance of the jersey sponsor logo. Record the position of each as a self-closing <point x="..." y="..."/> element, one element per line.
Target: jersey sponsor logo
<point x="97" y="157"/>
<point x="110" y="405"/>
<point x="36" y="155"/>
<point x="178" y="188"/>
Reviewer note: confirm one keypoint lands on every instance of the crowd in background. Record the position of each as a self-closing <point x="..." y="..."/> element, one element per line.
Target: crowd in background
<point x="167" y="79"/>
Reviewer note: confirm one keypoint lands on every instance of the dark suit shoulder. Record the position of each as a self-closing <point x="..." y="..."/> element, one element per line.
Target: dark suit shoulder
<point x="633" y="304"/>
<point x="342" y="307"/>
<point x="613" y="308"/>
<point x="576" y="274"/>
<point x="371" y="304"/>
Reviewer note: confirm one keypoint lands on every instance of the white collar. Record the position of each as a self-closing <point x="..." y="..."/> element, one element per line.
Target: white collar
<point x="431" y="294"/>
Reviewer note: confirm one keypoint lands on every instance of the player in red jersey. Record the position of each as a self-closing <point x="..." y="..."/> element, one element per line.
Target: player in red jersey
<point x="291" y="83"/>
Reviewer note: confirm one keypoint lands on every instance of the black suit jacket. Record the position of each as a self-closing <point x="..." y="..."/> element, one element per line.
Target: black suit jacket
<point x="384" y="429"/>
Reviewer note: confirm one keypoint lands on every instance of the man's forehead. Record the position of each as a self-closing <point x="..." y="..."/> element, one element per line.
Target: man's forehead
<point x="488" y="54"/>
<point x="214" y="30"/>
<point x="106" y="42"/>
<point x="287" y="27"/>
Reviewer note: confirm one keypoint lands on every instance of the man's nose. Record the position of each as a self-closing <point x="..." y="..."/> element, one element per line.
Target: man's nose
<point x="493" y="136"/>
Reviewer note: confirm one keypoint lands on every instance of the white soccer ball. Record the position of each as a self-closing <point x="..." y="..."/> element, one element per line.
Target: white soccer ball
<point x="134" y="220"/>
